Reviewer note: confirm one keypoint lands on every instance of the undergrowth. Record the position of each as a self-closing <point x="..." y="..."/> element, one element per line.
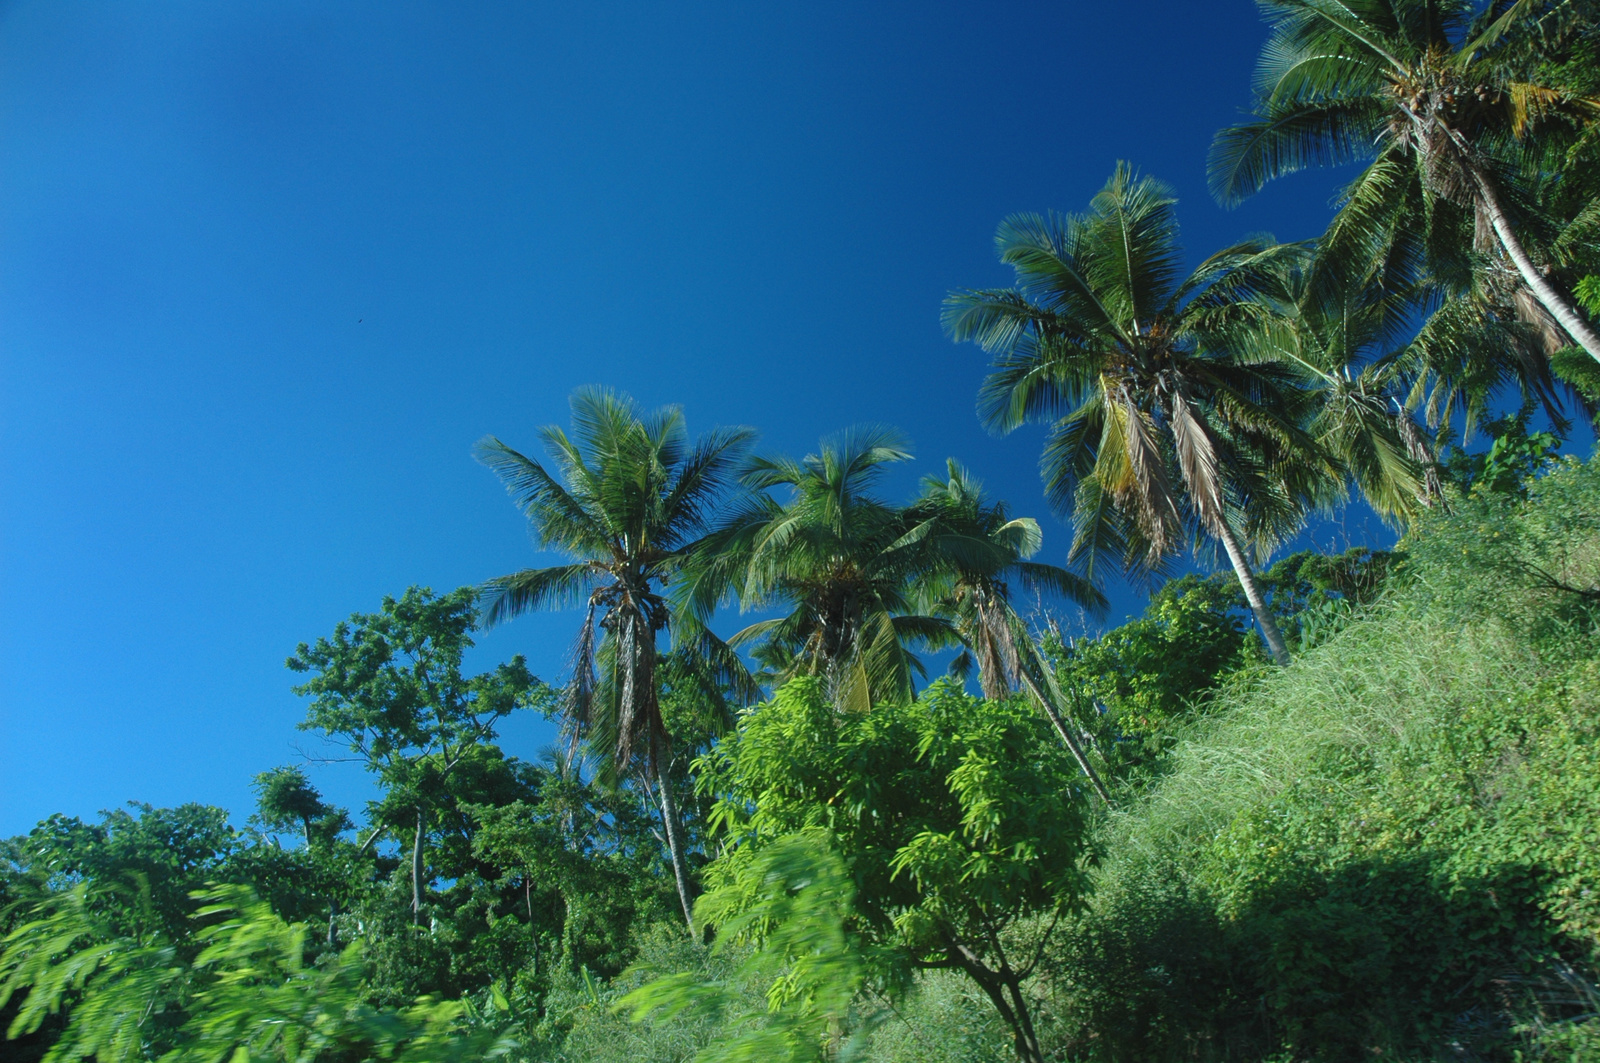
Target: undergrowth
<point x="1390" y="849"/>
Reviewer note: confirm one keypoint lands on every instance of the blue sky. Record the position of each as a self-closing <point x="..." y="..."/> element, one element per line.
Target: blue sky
<point x="268" y="270"/>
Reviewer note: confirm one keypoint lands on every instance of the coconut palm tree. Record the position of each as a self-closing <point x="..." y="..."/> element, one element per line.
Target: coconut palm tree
<point x="628" y="501"/>
<point x="978" y="556"/>
<point x="1352" y="342"/>
<point x="1155" y="430"/>
<point x="1443" y="97"/>
<point x="978" y="553"/>
<point x="828" y="553"/>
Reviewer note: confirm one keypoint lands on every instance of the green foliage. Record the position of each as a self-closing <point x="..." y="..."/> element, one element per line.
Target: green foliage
<point x="960" y="818"/>
<point x="942" y="1018"/>
<point x="1388" y="849"/>
<point x="140" y="873"/>
<point x="511" y="876"/>
<point x="390" y="685"/>
<point x="790" y="904"/>
<point x="583" y="876"/>
<point x="1149" y="672"/>
<point x="1573" y="364"/>
<point x="1514" y="456"/>
<point x="286" y="800"/>
<point x="527" y="876"/>
<point x="168" y="851"/>
<point x="1149" y="679"/>
<point x="940" y="804"/>
<point x="1588" y="292"/>
<point x="595" y="1031"/>
<point x="247" y="996"/>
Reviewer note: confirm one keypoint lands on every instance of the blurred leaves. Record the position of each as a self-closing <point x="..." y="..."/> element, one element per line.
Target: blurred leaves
<point x="249" y="994"/>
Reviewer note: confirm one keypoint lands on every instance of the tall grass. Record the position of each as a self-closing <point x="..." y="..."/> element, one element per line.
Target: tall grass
<point x="1388" y="847"/>
<point x="1338" y="720"/>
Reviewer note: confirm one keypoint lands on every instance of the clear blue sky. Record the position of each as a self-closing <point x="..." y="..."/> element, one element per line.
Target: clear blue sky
<point x="268" y="270"/>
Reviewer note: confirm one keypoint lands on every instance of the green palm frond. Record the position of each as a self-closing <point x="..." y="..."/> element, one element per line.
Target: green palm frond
<point x="930" y="632"/>
<point x="558" y="518"/>
<point x="883" y="661"/>
<point x="1291" y="137"/>
<point x="1130" y="251"/>
<point x="1069" y="452"/>
<point x="532" y="589"/>
<point x="1359" y="28"/>
<point x="1038" y="578"/>
<point x="1101" y="532"/>
<point x="1038" y="379"/>
<point x="703" y="477"/>
<point x="721" y="673"/>
<point x="1500" y="24"/>
<point x="1045" y="252"/>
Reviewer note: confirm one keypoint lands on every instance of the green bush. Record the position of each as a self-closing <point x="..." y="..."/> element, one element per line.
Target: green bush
<point x="597" y="1033"/>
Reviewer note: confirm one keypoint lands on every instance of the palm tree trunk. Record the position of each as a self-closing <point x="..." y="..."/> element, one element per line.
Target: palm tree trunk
<point x="1560" y="307"/>
<point x="416" y="872"/>
<point x="1252" y="593"/>
<point x="1065" y="732"/>
<point x="674" y="828"/>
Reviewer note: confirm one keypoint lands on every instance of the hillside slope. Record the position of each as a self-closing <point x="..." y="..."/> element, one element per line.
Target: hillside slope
<point x="1391" y="849"/>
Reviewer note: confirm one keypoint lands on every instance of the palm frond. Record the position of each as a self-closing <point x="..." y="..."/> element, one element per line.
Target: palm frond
<point x="1293" y="136"/>
<point x="1038" y="578"/>
<point x="1197" y="459"/>
<point x="554" y="587"/>
<point x="557" y="517"/>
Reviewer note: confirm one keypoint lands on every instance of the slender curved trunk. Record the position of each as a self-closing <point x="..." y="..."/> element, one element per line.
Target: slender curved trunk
<point x="1065" y="732"/>
<point x="1567" y="315"/>
<point x="416" y="872"/>
<point x="376" y="832"/>
<point x="674" y="828"/>
<point x="1252" y="593"/>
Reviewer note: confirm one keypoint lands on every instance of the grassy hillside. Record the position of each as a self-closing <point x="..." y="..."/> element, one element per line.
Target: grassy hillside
<point x="1391" y="849"/>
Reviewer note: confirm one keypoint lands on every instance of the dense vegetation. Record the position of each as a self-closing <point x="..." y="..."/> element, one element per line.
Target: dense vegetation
<point x="1332" y="807"/>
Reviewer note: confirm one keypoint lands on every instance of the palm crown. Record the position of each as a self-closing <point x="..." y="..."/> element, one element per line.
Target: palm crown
<point x="830" y="551"/>
<point x="1352" y="342"/>
<point x="981" y="556"/>
<point x="1440" y="97"/>
<point x="1154" y="427"/>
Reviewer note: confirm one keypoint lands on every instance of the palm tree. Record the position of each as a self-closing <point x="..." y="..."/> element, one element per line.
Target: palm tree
<point x="1351" y="341"/>
<point x="979" y="552"/>
<point x="1442" y="96"/>
<point x="1154" y="429"/>
<point x="630" y="500"/>
<point x="828" y="552"/>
